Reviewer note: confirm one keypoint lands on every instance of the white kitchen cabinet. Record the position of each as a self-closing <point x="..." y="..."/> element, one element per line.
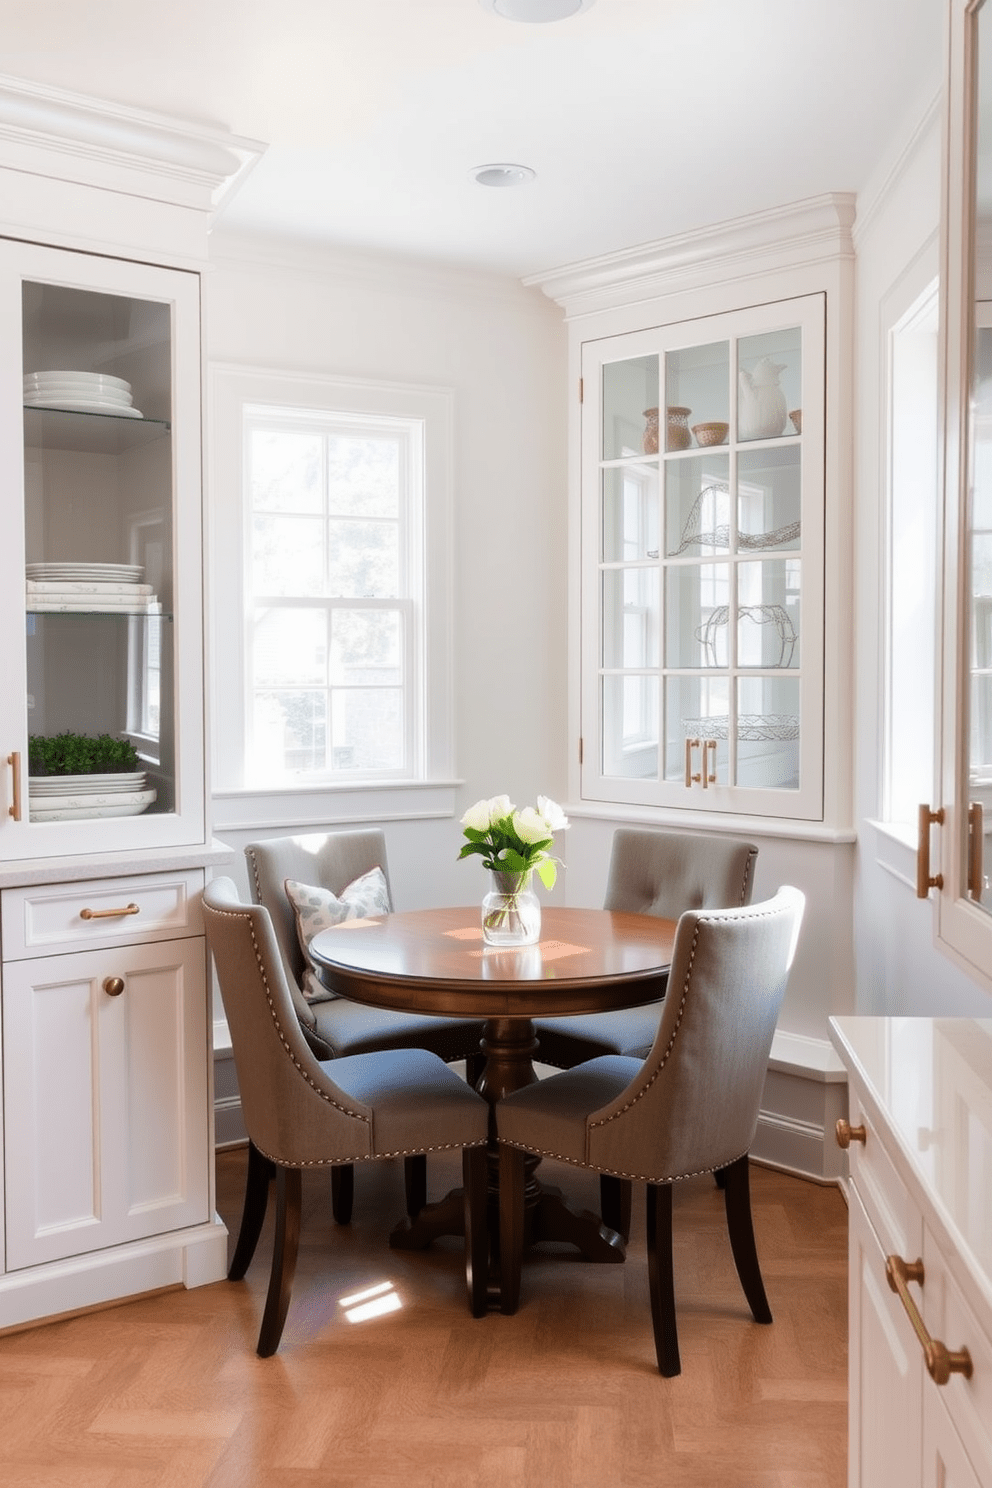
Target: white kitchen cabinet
<point x="703" y="563"/>
<point x="108" y="1132"/>
<point x="920" y="1191"/>
<point x="100" y="570"/>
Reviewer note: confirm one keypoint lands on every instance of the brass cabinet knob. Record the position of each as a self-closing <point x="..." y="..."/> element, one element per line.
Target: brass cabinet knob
<point x="113" y="986"/>
<point x="846" y="1133"/>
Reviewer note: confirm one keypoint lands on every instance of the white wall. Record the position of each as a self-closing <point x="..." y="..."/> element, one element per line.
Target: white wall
<point x="898" y="969"/>
<point x="502" y="349"/>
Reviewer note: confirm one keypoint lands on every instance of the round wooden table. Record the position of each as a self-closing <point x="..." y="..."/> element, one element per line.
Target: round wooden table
<point x="435" y="961"/>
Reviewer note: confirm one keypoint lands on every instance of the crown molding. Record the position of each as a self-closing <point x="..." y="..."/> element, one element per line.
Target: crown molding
<point x="803" y="233"/>
<point x="70" y="136"/>
<point x="365" y="268"/>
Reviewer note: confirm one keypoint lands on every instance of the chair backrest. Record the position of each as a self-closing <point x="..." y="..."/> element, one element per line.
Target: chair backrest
<point x="693" y="1105"/>
<point x="294" y="1113"/>
<point x="329" y="860"/>
<point x="665" y="873"/>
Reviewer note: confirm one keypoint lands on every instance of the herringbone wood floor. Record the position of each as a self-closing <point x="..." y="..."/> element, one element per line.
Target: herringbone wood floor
<point x="167" y="1391"/>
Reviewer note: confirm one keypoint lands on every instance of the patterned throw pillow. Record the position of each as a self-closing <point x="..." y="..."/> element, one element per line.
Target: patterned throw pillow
<point x="318" y="909"/>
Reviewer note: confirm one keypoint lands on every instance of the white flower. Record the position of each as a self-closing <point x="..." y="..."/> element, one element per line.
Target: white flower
<point x="530" y="825"/>
<point x="554" y="816"/>
<point x="477" y="817"/>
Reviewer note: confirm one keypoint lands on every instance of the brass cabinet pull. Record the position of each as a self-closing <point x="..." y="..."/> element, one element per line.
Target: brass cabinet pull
<point x="690" y="745"/>
<point x="976" y="849"/>
<point x="846" y="1134"/>
<point x="924" y="880"/>
<point x="942" y="1362"/>
<point x="109" y="914"/>
<point x="708" y="779"/>
<point x="14" y="761"/>
<point x="113" y="986"/>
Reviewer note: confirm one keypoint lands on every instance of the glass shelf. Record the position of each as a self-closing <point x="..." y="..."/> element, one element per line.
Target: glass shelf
<point x="90" y="433"/>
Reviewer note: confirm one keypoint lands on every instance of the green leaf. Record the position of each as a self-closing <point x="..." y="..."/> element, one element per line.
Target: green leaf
<point x="547" y="872"/>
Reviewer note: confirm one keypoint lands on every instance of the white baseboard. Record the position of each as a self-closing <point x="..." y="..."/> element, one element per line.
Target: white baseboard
<point x="191" y="1257"/>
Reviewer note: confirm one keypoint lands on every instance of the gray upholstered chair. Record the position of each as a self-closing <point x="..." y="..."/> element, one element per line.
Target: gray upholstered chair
<point x="652" y="872"/>
<point x="302" y="1112"/>
<point x="339" y="1026"/>
<point x="691" y="1107"/>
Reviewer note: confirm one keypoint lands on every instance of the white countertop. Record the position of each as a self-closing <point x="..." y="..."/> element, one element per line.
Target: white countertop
<point x="928" y="1083"/>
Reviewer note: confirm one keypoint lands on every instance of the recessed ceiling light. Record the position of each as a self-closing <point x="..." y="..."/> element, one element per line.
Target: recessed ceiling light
<point x="502" y="175"/>
<point x="536" y="10"/>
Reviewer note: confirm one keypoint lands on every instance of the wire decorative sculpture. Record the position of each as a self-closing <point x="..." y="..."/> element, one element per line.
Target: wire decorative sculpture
<point x="762" y="614"/>
<point x="719" y="536"/>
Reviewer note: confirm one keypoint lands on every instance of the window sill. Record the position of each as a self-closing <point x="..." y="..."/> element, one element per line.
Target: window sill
<point x="696" y="820"/>
<point x="306" y="806"/>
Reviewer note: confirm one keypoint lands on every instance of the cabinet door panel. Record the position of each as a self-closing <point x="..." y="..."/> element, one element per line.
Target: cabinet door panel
<point x="106" y="1120"/>
<point x="885" y="1370"/>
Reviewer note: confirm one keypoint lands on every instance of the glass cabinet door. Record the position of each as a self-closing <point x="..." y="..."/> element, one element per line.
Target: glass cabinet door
<point x="102" y="711"/>
<point x="703" y="564"/>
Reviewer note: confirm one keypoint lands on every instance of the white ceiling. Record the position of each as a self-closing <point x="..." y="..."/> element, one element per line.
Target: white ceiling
<point x="642" y="118"/>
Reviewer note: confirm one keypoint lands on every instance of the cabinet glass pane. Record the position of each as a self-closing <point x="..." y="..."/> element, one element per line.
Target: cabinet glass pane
<point x="695" y="708"/>
<point x="768" y="732"/>
<point x="768" y="498"/>
<point x="630" y="407"/>
<point x="769" y="384"/>
<point x="630" y="617"/>
<point x="697" y="396"/>
<point x="768" y="613"/>
<point x="99" y="529"/>
<point x="696" y="615"/>
<point x="630" y="735"/>
<point x="630" y="513"/>
<point x="697" y="506"/>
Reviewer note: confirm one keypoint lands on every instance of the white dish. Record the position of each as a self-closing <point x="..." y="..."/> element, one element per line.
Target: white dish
<point x="106" y="588"/>
<point x="83" y="813"/>
<point x="72" y="392"/>
<point x="97" y="379"/>
<point x="81" y="405"/>
<point x="61" y="568"/>
<point x="122" y="780"/>
<point x="83" y="801"/>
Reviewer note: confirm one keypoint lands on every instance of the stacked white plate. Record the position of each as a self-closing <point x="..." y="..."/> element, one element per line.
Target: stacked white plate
<point x="75" y="797"/>
<point x="89" y="586"/>
<point x="82" y="392"/>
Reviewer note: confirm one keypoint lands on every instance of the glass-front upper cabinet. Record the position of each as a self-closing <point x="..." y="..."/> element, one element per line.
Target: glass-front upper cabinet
<point x="702" y="599"/>
<point x="101" y="711"/>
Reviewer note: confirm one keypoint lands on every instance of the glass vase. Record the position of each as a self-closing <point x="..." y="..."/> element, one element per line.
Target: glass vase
<point x="511" y="911"/>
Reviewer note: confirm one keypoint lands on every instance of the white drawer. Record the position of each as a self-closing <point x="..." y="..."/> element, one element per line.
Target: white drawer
<point x="96" y="912"/>
<point x="894" y="1216"/>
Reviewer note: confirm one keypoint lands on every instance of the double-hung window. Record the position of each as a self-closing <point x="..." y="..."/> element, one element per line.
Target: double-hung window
<point x="336" y="621"/>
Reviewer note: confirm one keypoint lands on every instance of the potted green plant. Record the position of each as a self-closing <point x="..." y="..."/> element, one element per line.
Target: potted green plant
<point x="81" y="754"/>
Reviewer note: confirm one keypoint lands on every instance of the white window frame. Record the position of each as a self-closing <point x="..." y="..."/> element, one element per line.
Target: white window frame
<point x="428" y="560"/>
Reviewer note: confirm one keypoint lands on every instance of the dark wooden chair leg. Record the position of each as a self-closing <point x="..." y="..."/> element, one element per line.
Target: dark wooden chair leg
<point x="342" y="1192"/>
<point x="289" y="1202"/>
<point x="475" y="1181"/>
<point x="511" y="1225"/>
<point x="415" y="1178"/>
<point x="720" y="1177"/>
<point x="474" y="1065"/>
<point x="615" y="1203"/>
<point x="661" y="1278"/>
<point x="260" y="1174"/>
<point x="740" y="1226"/>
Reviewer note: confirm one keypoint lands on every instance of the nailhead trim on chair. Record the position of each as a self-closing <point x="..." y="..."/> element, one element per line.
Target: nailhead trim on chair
<point x="357" y="1115"/>
<point x="640" y="1177"/>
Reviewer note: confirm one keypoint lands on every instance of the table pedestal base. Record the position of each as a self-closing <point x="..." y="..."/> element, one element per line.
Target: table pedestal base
<point x="509" y="1046"/>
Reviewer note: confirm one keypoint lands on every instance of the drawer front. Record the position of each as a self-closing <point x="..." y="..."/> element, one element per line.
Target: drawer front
<point x="894" y="1217"/>
<point x="52" y="918"/>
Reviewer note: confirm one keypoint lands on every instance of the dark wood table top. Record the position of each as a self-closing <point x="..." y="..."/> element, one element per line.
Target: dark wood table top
<point x="435" y="961"/>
